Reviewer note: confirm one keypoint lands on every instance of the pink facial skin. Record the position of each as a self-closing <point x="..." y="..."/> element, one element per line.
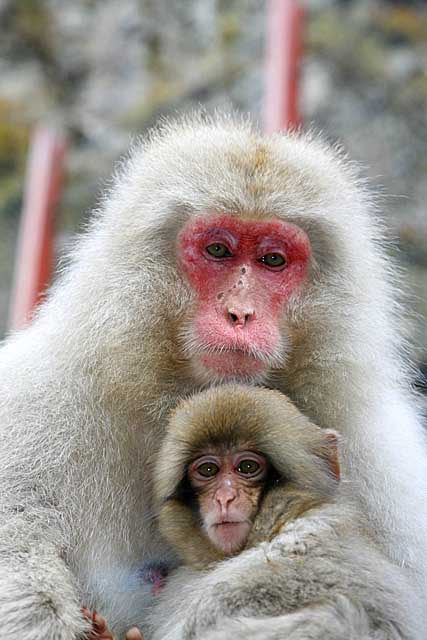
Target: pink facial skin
<point x="240" y="297"/>
<point x="228" y="488"/>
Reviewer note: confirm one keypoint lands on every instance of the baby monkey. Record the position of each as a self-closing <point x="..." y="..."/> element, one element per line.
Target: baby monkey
<point x="242" y="472"/>
<point x="236" y="464"/>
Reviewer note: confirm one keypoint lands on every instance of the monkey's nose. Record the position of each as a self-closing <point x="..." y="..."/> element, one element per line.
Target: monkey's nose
<point x="240" y="317"/>
<point x="224" y="496"/>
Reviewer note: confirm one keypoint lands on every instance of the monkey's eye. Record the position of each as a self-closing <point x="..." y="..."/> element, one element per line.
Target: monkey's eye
<point x="207" y="469"/>
<point x="218" y="250"/>
<point x="273" y="260"/>
<point x="248" y="467"/>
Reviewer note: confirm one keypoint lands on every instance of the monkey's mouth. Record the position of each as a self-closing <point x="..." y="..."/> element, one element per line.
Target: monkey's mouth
<point x="233" y="362"/>
<point x="230" y="536"/>
<point x="230" y="358"/>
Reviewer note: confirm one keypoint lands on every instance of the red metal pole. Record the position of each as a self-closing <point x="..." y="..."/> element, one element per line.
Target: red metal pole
<point x="34" y="258"/>
<point x="284" y="48"/>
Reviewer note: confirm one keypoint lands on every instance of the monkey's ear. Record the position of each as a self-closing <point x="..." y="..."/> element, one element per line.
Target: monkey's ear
<point x="332" y="452"/>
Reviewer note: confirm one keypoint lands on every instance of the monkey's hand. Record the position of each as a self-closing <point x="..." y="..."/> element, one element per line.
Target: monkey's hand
<point x="100" y="630"/>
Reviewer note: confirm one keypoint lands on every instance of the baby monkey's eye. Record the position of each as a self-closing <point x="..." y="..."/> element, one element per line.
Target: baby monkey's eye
<point x="248" y="467"/>
<point x="207" y="469"/>
<point x="218" y="250"/>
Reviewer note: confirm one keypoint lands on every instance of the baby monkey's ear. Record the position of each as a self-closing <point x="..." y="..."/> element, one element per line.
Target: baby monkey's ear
<point x="331" y="452"/>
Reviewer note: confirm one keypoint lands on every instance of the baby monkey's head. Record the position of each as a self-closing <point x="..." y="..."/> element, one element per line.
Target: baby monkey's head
<point x="223" y="452"/>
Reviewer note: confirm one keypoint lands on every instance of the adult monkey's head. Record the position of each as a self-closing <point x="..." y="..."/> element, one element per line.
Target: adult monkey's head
<point x="245" y="257"/>
<point x="243" y="263"/>
<point x="263" y="231"/>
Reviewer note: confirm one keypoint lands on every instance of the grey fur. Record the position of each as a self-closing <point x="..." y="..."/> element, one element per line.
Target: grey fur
<point x="85" y="391"/>
<point x="320" y="578"/>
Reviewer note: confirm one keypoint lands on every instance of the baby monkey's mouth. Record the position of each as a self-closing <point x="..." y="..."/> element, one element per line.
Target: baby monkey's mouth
<point x="229" y="535"/>
<point x="229" y="518"/>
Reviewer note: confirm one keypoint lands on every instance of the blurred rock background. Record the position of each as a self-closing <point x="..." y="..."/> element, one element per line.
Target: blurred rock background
<point x="104" y="70"/>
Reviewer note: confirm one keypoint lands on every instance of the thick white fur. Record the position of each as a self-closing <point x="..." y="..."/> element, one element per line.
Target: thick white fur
<point x="86" y="389"/>
<point x="319" y="578"/>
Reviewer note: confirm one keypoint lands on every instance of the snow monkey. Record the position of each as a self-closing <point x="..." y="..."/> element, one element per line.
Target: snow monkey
<point x="225" y="452"/>
<point x="218" y="255"/>
<point x="242" y="468"/>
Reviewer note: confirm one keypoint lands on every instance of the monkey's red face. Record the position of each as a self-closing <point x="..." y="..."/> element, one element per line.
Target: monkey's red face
<point x="243" y="272"/>
<point x="228" y="489"/>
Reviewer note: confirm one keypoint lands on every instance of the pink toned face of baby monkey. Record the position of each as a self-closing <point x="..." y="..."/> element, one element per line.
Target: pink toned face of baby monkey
<point x="228" y="488"/>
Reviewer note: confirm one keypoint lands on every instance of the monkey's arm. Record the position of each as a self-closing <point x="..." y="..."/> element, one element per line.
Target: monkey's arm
<point x="308" y="582"/>
<point x="39" y="597"/>
<point x="337" y="620"/>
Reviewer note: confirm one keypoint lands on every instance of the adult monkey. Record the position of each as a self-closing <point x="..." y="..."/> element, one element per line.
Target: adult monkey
<point x="290" y="290"/>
